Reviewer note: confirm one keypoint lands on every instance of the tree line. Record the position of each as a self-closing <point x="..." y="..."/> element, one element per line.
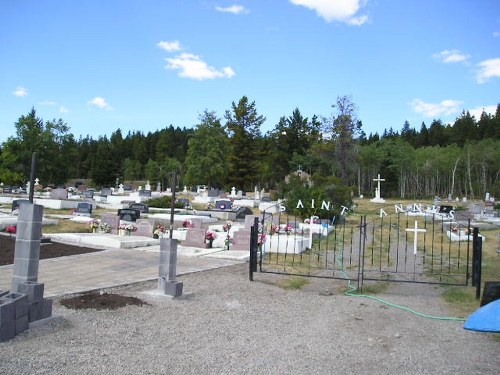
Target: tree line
<point x="461" y="159"/>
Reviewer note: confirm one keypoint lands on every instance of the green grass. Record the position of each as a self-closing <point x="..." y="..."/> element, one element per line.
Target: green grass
<point x="293" y="283"/>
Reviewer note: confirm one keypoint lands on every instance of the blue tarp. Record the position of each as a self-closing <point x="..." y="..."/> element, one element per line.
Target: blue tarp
<point x="485" y="319"/>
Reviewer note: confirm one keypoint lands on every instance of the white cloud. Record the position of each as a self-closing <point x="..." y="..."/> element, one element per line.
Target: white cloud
<point x="477" y="112"/>
<point x="446" y="107"/>
<point x="488" y="69"/>
<point x="191" y="66"/>
<point x="339" y="10"/>
<point x="63" y="109"/>
<point x="46" y="102"/>
<point x="169" y="46"/>
<point x="20" y="92"/>
<point x="451" y="56"/>
<point x="101" y="103"/>
<point x="235" y="9"/>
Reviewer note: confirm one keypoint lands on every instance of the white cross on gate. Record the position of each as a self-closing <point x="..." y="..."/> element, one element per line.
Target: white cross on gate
<point x="415" y="232"/>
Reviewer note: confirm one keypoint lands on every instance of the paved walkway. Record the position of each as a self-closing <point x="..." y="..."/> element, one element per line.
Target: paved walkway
<point x="114" y="267"/>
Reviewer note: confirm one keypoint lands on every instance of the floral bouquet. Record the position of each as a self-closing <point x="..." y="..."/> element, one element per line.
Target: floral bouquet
<point x="288" y="229"/>
<point x="128" y="228"/>
<point x="93" y="225"/>
<point x="211" y="235"/>
<point x="104" y="227"/>
<point x="187" y="223"/>
<point x="274" y="229"/>
<point x="228" y="241"/>
<point x="160" y="230"/>
<point x="11" y="229"/>
<point x="227" y="226"/>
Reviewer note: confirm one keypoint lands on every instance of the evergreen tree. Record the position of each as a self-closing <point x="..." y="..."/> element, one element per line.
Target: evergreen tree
<point x="243" y="127"/>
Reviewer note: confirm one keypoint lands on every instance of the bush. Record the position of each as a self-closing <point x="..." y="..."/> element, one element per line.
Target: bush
<point x="163" y="202"/>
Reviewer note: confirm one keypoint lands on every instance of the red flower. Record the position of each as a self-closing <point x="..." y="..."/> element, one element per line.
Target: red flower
<point x="11" y="229"/>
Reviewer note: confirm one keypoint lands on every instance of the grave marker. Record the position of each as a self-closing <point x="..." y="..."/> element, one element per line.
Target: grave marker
<point x="195" y="237"/>
<point x="129" y="214"/>
<point x="112" y="220"/>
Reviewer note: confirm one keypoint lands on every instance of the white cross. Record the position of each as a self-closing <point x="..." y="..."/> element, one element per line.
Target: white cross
<point x="378" y="179"/>
<point x="415" y="232"/>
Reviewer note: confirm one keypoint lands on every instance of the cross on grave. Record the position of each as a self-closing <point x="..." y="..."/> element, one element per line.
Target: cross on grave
<point x="415" y="232"/>
<point x="377" y="190"/>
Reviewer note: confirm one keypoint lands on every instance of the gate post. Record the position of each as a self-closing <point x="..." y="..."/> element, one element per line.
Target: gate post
<point x="361" y="253"/>
<point x="254" y="239"/>
<point x="477" y="255"/>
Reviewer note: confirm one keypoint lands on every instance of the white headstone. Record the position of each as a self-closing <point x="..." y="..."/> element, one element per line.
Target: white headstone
<point x="377" y="198"/>
<point x="148" y="186"/>
<point x="37" y="181"/>
<point x="120" y="189"/>
<point x="487" y="197"/>
<point x="158" y="186"/>
<point x="233" y="191"/>
<point x="185" y="189"/>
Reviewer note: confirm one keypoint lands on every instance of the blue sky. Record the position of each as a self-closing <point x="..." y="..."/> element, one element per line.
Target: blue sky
<point x="143" y="65"/>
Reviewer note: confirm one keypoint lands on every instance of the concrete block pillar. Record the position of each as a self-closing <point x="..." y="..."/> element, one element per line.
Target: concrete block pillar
<point x="168" y="268"/>
<point x="27" y="250"/>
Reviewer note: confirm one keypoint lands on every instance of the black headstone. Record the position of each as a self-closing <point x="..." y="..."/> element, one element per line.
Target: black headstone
<point x="143" y="208"/>
<point x="129" y="214"/>
<point x="84" y="208"/>
<point x="491" y="292"/>
<point x="17" y="202"/>
<point x="223" y="205"/>
<point x="445" y="209"/>
<point x="144" y="193"/>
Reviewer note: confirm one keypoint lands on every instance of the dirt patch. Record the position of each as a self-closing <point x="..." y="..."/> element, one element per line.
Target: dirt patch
<point x="100" y="301"/>
<point x="49" y="250"/>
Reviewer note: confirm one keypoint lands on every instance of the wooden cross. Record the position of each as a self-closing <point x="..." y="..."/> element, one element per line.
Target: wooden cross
<point x="415" y="232"/>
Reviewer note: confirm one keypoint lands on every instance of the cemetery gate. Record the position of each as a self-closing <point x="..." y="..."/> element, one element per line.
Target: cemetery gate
<point x="393" y="248"/>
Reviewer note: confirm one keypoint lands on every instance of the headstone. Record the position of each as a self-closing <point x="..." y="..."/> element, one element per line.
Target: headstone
<point x="83" y="209"/>
<point x="222" y="204"/>
<point x="106" y="191"/>
<point x="120" y="189"/>
<point x="256" y="195"/>
<point x="112" y="220"/>
<point x="145" y="193"/>
<point x="249" y="221"/>
<point x="213" y="193"/>
<point x="195" y="237"/>
<point x="487" y="197"/>
<point x="168" y="268"/>
<point x="88" y="194"/>
<point x="17" y="202"/>
<point x="445" y="209"/>
<point x="196" y="223"/>
<point x="233" y="191"/>
<point x="185" y="191"/>
<point x="158" y="187"/>
<point x="240" y="194"/>
<point x="241" y="240"/>
<point x="37" y="181"/>
<point x="144" y="228"/>
<point x="59" y="194"/>
<point x="129" y="214"/>
<point x="143" y="208"/>
<point x="148" y="186"/>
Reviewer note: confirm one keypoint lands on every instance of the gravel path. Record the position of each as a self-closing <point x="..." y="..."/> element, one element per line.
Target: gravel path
<point x="226" y="325"/>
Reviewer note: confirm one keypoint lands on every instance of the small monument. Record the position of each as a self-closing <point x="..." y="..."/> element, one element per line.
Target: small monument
<point x="158" y="187"/>
<point x="377" y="198"/>
<point x="120" y="189"/>
<point x="148" y="186"/>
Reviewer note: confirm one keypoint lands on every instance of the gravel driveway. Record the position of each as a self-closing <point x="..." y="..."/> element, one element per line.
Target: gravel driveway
<point x="225" y="324"/>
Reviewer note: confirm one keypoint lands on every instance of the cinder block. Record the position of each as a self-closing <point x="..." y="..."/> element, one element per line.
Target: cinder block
<point x="22" y="324"/>
<point x="29" y="231"/>
<point x="30" y="212"/>
<point x="7" y="312"/>
<point x="7" y="331"/>
<point x="46" y="308"/>
<point x="26" y="269"/>
<point x="32" y="289"/>
<point x="20" y="301"/>
<point x="173" y="288"/>
<point x="26" y="249"/>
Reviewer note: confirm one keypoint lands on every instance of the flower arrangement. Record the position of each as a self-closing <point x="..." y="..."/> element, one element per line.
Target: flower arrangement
<point x="187" y="223"/>
<point x="160" y="230"/>
<point x="128" y="228"/>
<point x="104" y="227"/>
<point x="211" y="235"/>
<point x="261" y="238"/>
<point x="227" y="226"/>
<point x="11" y="229"/>
<point x="228" y="241"/>
<point x="274" y="229"/>
<point x="93" y="225"/>
<point x="288" y="229"/>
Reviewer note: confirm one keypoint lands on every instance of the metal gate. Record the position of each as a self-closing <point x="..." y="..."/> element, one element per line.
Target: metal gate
<point x="427" y="249"/>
